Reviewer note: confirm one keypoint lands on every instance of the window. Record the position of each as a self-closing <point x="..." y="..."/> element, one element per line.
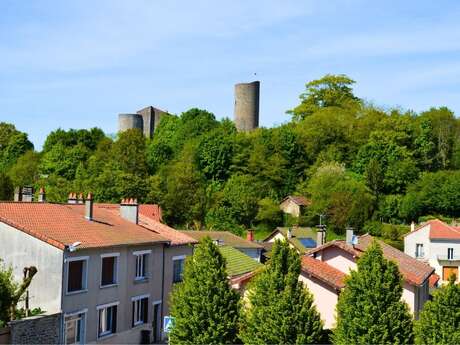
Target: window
<point x="450" y="253"/>
<point x="447" y="271"/>
<point x="74" y="328"/>
<point x="178" y="268"/>
<point x="107" y="319"/>
<point x="109" y="269"/>
<point x="141" y="264"/>
<point x="76" y="274"/>
<point x="140" y="310"/>
<point x="419" y="253"/>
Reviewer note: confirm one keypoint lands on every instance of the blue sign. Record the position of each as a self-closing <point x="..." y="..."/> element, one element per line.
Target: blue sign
<point x="168" y="323"/>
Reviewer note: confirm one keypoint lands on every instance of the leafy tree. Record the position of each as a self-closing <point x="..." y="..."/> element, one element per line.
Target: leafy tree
<point x="25" y="171"/>
<point x="280" y="309"/>
<point x="439" y="321"/>
<point x="7" y="291"/>
<point x="12" y="145"/>
<point x="370" y="310"/>
<point x="73" y="137"/>
<point x="128" y="152"/>
<point x="269" y="213"/>
<point x="6" y="187"/>
<point x="205" y="307"/>
<point x="328" y="91"/>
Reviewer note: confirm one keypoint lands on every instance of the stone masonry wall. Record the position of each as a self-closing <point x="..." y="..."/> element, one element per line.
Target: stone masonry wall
<point x="42" y="329"/>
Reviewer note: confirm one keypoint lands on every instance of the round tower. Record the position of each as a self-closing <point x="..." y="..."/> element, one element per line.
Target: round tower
<point x="129" y="121"/>
<point x="247" y="106"/>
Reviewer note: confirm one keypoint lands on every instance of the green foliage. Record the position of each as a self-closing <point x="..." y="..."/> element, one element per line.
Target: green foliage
<point x="129" y="152"/>
<point x="13" y="144"/>
<point x="439" y="321"/>
<point x="7" y="291"/>
<point x="25" y="171"/>
<point x="6" y="187"/>
<point x="370" y="310"/>
<point x="280" y="309"/>
<point x="205" y="307"/>
<point x="269" y="213"/>
<point x="329" y="91"/>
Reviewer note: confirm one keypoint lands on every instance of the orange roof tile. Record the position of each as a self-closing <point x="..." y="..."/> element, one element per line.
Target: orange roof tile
<point x="439" y="230"/>
<point x="64" y="224"/>
<point x="323" y="271"/>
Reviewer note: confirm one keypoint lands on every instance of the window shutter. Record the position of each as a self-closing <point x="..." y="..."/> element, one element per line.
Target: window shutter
<point x="114" y="319"/>
<point x="145" y="310"/>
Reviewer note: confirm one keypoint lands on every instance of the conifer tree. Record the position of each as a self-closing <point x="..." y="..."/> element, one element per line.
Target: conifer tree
<point x="280" y="309"/>
<point x="205" y="307"/>
<point x="439" y="321"/>
<point x="370" y="310"/>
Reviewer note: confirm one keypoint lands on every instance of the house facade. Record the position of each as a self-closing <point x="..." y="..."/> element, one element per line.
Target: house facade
<point x="300" y="238"/>
<point x="108" y="269"/>
<point x="294" y="205"/>
<point x="324" y="270"/>
<point x="437" y="244"/>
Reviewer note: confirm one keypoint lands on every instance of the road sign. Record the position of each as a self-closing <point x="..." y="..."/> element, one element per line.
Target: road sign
<point x="168" y="323"/>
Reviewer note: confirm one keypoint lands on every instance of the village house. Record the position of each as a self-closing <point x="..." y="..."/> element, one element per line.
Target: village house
<point x="107" y="268"/>
<point x="437" y="244"/>
<point x="294" y="205"/>
<point x="324" y="270"/>
<point x="300" y="238"/>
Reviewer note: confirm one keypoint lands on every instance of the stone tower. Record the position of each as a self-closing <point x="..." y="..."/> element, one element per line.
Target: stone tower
<point x="247" y="106"/>
<point x="151" y="117"/>
<point x="129" y="121"/>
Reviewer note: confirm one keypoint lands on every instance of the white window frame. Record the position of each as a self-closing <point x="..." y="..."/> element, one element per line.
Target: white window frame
<point x="116" y="262"/>
<point x="145" y="255"/>
<point x="449" y="251"/>
<point x="85" y="274"/>
<point x="83" y="323"/>
<point x="137" y="311"/>
<point x="176" y="258"/>
<point x="98" y="308"/>
<point x="417" y="252"/>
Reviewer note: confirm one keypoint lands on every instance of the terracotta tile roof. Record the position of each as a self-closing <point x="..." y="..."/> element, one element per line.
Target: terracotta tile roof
<point x="412" y="270"/>
<point x="440" y="230"/>
<point x="433" y="282"/>
<point x="225" y="237"/>
<point x="323" y="271"/>
<point x="149" y="217"/>
<point x="299" y="200"/>
<point x="64" y="224"/>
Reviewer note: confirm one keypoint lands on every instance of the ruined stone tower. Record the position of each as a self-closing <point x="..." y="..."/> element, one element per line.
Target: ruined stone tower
<point x="151" y="117"/>
<point x="129" y="121"/>
<point x="247" y="106"/>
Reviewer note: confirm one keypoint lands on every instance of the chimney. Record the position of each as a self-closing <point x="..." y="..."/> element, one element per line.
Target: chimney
<point x="129" y="210"/>
<point x="349" y="236"/>
<point x="289" y="233"/>
<point x="27" y="194"/>
<point x="17" y="194"/>
<point x="412" y="226"/>
<point x="72" y="199"/>
<point x="320" y="237"/>
<point x="250" y="235"/>
<point x="81" y="199"/>
<point x="42" y="195"/>
<point x="89" y="206"/>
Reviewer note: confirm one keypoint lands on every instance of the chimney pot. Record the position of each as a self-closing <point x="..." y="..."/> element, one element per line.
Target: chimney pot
<point x="412" y="226"/>
<point x="129" y="210"/>
<point x="250" y="235"/>
<point x="81" y="199"/>
<point x="41" y="195"/>
<point x="320" y="237"/>
<point x="72" y="199"/>
<point x="349" y="235"/>
<point x="289" y="233"/>
<point x="89" y="207"/>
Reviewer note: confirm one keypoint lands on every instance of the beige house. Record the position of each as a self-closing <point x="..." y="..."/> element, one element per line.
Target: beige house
<point x="294" y="205"/>
<point x="107" y="268"/>
<point x="324" y="270"/>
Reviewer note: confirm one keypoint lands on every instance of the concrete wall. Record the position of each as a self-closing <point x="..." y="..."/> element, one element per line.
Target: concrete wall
<point x="129" y="121"/>
<point x="325" y="298"/>
<point x="247" y="106"/>
<point x="42" y="329"/>
<point x="290" y="207"/>
<point x="339" y="259"/>
<point x="5" y="335"/>
<point x="20" y="250"/>
<point x="125" y="289"/>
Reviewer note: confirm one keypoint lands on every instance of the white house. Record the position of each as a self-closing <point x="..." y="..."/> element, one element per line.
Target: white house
<point x="437" y="244"/>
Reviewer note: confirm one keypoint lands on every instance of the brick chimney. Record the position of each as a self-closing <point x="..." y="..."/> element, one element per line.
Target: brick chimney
<point x="129" y="210"/>
<point x="41" y="195"/>
<point x="81" y="199"/>
<point x="250" y="235"/>
<point x="72" y="199"/>
<point x="89" y="207"/>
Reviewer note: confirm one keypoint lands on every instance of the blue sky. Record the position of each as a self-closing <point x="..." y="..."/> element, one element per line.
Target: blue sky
<point x="77" y="64"/>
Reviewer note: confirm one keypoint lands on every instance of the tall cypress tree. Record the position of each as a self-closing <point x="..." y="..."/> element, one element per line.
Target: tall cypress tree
<point x="205" y="307"/>
<point x="439" y="321"/>
<point x="280" y="309"/>
<point x="370" y="310"/>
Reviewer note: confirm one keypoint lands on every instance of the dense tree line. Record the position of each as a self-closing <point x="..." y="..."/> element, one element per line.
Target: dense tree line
<point x="358" y="163"/>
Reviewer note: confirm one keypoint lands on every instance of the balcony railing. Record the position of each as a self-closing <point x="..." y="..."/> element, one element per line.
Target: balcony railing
<point x="445" y="258"/>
